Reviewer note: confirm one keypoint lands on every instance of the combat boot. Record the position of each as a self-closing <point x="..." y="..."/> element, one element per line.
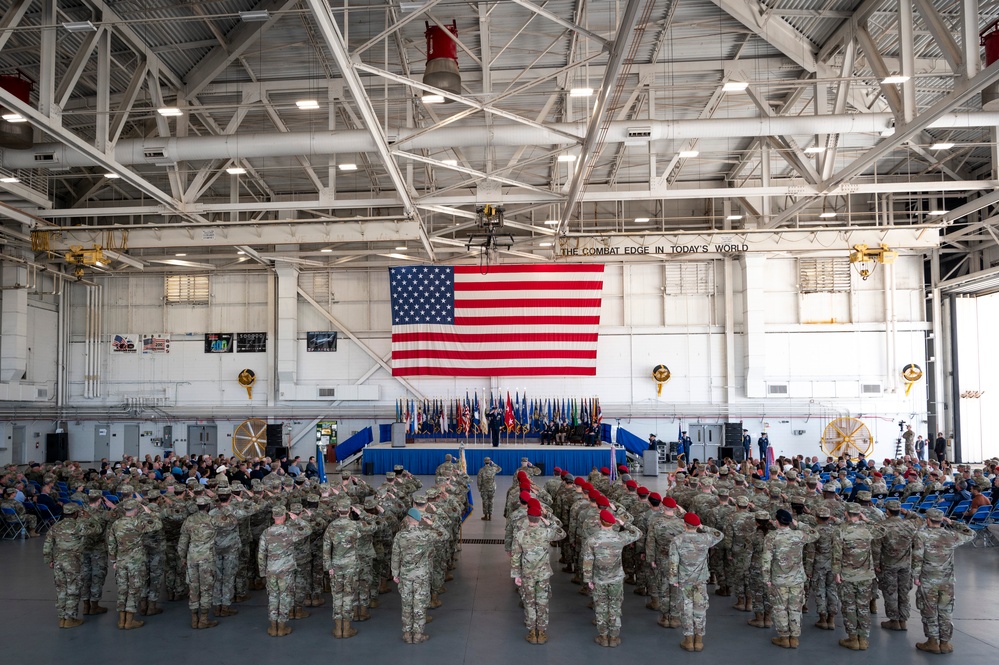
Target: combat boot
<point x="194" y="619"/>
<point x="318" y="601"/>
<point x="532" y="636"/>
<point x="793" y="641"/>
<point x="698" y="643"/>
<point x="601" y="640"/>
<point x="831" y="621"/>
<point x="740" y="604"/>
<point x="131" y="622"/>
<point x="863" y="643"/>
<point x="338" y="628"/>
<point x="348" y="631"/>
<point x="435" y="601"/>
<point x="821" y="623"/>
<point x="420" y="638"/>
<point x="217" y="609"/>
<point x="614" y="641"/>
<point x="757" y="620"/>
<point x="72" y="622"/>
<point x="890" y="625"/>
<point x="308" y="601"/>
<point x="902" y="626"/>
<point x="95" y="607"/>
<point x="407" y="637"/>
<point x="767" y="623"/>
<point x="298" y="613"/>
<point x="449" y="577"/>
<point x="373" y="602"/>
<point x="86" y="609"/>
<point x="652" y="603"/>
<point x="152" y="609"/>
<point x="62" y="623"/>
<point x="850" y="642"/>
<point x="781" y="641"/>
<point x="674" y="622"/>
<point x="361" y="613"/>
<point x="542" y="636"/>
<point x="945" y="647"/>
<point x="688" y="643"/>
<point x="121" y="619"/>
<point x="204" y="621"/>
<point x="874" y="605"/>
<point x="283" y="629"/>
<point x="229" y="611"/>
<point x="143" y="604"/>
<point x="663" y="621"/>
<point x="383" y="586"/>
<point x="640" y="591"/>
<point x="272" y="629"/>
<point x="240" y="598"/>
<point x="929" y="646"/>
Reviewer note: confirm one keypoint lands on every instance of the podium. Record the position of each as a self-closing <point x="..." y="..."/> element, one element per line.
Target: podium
<point x="650" y="463"/>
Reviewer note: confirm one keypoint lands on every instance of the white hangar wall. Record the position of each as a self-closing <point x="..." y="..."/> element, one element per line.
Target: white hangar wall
<point x="741" y="338"/>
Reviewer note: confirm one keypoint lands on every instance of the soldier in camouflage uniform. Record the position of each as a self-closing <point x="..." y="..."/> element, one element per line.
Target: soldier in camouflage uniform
<point x="412" y="554"/>
<point x="739" y="530"/>
<point x="661" y="533"/>
<point x="94" y="559"/>
<point x="196" y="545"/>
<point x="853" y="567"/>
<point x="603" y="573"/>
<point x="63" y="548"/>
<point x="127" y="556"/>
<point x="893" y="561"/>
<point x="933" y="574"/>
<point x="342" y="563"/>
<point x="784" y="571"/>
<point x="823" y="581"/>
<point x="176" y="510"/>
<point x="688" y="570"/>
<point x="155" y="546"/>
<point x="532" y="570"/>
<point x="485" y="479"/>
<point x="227" y="548"/>
<point x="761" y="602"/>
<point x="276" y="561"/>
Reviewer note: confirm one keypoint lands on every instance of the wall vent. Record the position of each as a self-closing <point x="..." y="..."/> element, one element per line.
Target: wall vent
<point x="870" y="388"/>
<point x="776" y="388"/>
<point x="327" y="392"/>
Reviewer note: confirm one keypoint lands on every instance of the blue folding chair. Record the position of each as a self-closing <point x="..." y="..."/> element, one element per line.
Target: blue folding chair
<point x="45" y="517"/>
<point x="959" y="509"/>
<point x="12" y="525"/>
<point x="979" y="524"/>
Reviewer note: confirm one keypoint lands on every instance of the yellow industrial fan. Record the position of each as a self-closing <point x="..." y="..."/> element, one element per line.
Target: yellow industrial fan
<point x="250" y="439"/>
<point x="847" y="436"/>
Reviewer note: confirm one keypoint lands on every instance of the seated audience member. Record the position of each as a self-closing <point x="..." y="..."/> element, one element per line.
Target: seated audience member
<point x="45" y="498"/>
<point x="977" y="501"/>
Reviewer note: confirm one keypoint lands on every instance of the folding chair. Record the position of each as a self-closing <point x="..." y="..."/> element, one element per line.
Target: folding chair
<point x="12" y="525"/>
<point x="45" y="517"/>
<point x="979" y="524"/>
<point x="959" y="509"/>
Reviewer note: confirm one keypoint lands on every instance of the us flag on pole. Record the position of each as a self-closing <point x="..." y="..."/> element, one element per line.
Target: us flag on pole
<point x="515" y="320"/>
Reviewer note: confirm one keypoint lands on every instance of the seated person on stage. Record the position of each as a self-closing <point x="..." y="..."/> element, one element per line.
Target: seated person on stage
<point x="548" y="433"/>
<point x="563" y="434"/>
<point x="590" y="436"/>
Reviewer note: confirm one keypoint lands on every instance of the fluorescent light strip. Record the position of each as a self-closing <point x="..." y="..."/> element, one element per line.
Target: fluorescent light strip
<point x="14" y="117"/>
<point x="79" y="26"/>
<point x="815" y="150"/>
<point x="894" y="78"/>
<point x="432" y="99"/>
<point x="734" y="86"/>
<point x="734" y="218"/>
<point x="235" y="170"/>
<point x="642" y="220"/>
<point x="307" y="104"/>
<point x="566" y="158"/>
<point x="942" y="145"/>
<point x="169" y="111"/>
<point x="9" y="180"/>
<point x="347" y="167"/>
<point x="827" y="215"/>
<point x="581" y="92"/>
<point x="687" y="154"/>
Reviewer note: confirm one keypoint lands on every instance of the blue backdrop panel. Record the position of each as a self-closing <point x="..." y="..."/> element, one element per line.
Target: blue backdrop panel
<point x="354" y="443"/>
<point x="605" y="432"/>
<point x="633" y="443"/>
<point x="385" y="433"/>
<point x="424" y="461"/>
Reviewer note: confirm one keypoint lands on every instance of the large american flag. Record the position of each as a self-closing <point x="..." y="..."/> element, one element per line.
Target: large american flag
<point x="514" y="320"/>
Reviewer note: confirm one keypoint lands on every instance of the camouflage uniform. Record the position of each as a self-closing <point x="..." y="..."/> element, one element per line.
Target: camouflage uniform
<point x="486" y="482"/>
<point x="173" y="516"/>
<point x="783" y="570"/>
<point x="341" y="561"/>
<point x="127" y="553"/>
<point x="661" y="533"/>
<point x="196" y="547"/>
<point x="276" y="561"/>
<point x="29" y="521"/>
<point x="853" y="563"/>
<point x="64" y="545"/>
<point x="823" y="581"/>
<point x="155" y="547"/>
<point x="894" y="564"/>
<point x="94" y="559"/>
<point x="601" y="566"/>
<point x="227" y="547"/>
<point x="688" y="568"/>
<point x="530" y="561"/>
<point x="412" y="552"/>
<point x="761" y="601"/>
<point x="933" y="570"/>
<point x="739" y="530"/>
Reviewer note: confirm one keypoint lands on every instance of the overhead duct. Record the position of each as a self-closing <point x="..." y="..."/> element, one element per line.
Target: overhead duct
<point x="156" y="151"/>
<point x="442" y="58"/>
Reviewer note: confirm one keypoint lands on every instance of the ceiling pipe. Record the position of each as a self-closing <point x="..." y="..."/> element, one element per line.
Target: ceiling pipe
<point x="163" y="151"/>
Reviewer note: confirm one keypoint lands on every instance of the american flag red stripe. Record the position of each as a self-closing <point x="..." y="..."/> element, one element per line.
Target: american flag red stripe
<point x="515" y="320"/>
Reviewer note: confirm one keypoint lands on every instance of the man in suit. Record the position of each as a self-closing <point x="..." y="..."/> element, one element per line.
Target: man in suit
<point x="495" y="422"/>
<point x="940" y="447"/>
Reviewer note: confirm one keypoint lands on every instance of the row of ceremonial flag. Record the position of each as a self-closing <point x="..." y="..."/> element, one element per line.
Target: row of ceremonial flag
<point x="520" y="415"/>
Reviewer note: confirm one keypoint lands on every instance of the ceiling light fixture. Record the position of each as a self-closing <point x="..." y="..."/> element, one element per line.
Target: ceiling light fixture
<point x="307" y="104"/>
<point x="827" y="215"/>
<point x="169" y="111"/>
<point x="240" y="253"/>
<point x="642" y="220"/>
<point x="349" y="166"/>
<point x="9" y="180"/>
<point x="581" y="92"/>
<point x="894" y="78"/>
<point x="235" y="170"/>
<point x="566" y="158"/>
<point x="407" y="7"/>
<point x="815" y="150"/>
<point x="733" y="218"/>
<point x="79" y="26"/>
<point x="545" y="244"/>
<point x="401" y="248"/>
<point x="942" y="145"/>
<point x="432" y="99"/>
<point x="735" y="86"/>
<point x="111" y="176"/>
<point x="688" y="154"/>
<point x="937" y="213"/>
<point x="255" y="15"/>
<point x="450" y="162"/>
<point x="326" y="250"/>
<point x="551" y="222"/>
<point x="181" y="254"/>
<point x="14" y="117"/>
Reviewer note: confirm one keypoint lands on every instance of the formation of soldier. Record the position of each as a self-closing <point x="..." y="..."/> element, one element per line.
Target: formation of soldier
<point x="770" y="544"/>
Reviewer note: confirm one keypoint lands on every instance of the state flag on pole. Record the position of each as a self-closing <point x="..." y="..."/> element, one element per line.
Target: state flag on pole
<point x="516" y="320"/>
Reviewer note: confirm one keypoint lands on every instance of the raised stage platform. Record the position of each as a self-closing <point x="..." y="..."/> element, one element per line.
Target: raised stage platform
<point x="424" y="458"/>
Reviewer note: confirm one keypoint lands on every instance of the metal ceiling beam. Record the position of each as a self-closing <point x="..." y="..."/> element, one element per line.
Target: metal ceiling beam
<point x="11" y="19"/>
<point x="395" y="27"/>
<point x="334" y="40"/>
<point x="942" y="35"/>
<point x="239" y="39"/>
<point x="778" y="32"/>
<point x="555" y="18"/>
<point x="608" y="86"/>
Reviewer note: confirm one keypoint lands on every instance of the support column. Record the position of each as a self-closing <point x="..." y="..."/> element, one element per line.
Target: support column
<point x="753" y="324"/>
<point x="14" y="324"/>
<point x="287" y="330"/>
